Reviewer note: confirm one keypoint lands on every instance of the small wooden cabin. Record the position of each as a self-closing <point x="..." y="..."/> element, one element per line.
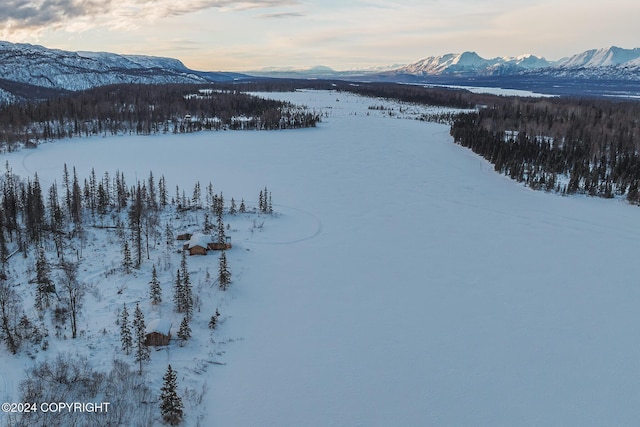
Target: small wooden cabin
<point x="216" y="246"/>
<point x="197" y="250"/>
<point x="197" y="244"/>
<point x="158" y="332"/>
<point x="185" y="236"/>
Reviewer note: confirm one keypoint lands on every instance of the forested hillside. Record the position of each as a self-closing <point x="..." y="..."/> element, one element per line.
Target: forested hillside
<point x="144" y="109"/>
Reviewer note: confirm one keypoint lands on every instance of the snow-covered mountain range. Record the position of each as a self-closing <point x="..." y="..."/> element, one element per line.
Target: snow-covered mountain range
<point x="31" y="71"/>
<point x="612" y="62"/>
<point x="31" y="65"/>
<point x="471" y="63"/>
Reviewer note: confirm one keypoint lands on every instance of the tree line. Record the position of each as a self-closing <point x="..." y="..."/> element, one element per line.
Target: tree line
<point x="144" y="109"/>
<point x="587" y="146"/>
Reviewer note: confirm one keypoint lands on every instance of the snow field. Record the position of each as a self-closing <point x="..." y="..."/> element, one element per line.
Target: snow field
<point x="402" y="283"/>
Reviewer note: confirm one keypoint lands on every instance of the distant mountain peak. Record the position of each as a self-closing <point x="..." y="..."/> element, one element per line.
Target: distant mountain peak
<point x="605" y="57"/>
<point x="614" y="61"/>
<point x="38" y="66"/>
<point x="470" y="63"/>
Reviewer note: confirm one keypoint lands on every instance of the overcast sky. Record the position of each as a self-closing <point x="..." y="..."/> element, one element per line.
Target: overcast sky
<point x="248" y="35"/>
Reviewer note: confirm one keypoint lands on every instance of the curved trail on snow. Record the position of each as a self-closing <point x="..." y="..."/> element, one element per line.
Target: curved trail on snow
<point x="319" y="226"/>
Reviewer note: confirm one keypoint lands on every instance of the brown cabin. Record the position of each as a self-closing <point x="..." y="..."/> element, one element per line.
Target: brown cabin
<point x="197" y="250"/>
<point x="197" y="244"/>
<point x="217" y="246"/>
<point x="158" y="333"/>
<point x="185" y="236"/>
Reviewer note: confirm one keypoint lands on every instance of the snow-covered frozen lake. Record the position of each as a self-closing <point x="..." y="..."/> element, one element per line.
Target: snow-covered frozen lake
<point x="405" y="283"/>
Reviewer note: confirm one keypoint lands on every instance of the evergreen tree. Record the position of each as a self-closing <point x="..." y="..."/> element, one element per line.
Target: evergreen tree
<point x="4" y="251"/>
<point x="233" y="209"/>
<point x="34" y="211"/>
<point x="10" y="312"/>
<point x="178" y="293"/>
<point x="155" y="291"/>
<point x="196" y="199"/>
<point x="213" y="322"/>
<point x="127" y="263"/>
<point x="67" y="188"/>
<point x="270" y="205"/>
<point x="206" y="227"/>
<point x="152" y="201"/>
<point x="184" y="333"/>
<point x="242" y="208"/>
<point x="56" y="221"/>
<point x="43" y="281"/>
<point x="186" y="294"/>
<point x="125" y="331"/>
<point x="171" y="406"/>
<point x="162" y="189"/>
<point x="220" y="228"/>
<point x="224" y="276"/>
<point x="168" y="233"/>
<point x="76" y="199"/>
<point x="142" y="352"/>
<point x="136" y="213"/>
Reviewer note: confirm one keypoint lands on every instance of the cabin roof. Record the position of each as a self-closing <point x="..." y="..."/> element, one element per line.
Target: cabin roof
<point x="161" y="326"/>
<point x="198" y="239"/>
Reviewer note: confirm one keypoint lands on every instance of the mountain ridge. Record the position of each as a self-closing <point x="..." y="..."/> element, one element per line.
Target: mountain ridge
<point x="33" y="72"/>
<point x="38" y="66"/>
<point x="625" y="63"/>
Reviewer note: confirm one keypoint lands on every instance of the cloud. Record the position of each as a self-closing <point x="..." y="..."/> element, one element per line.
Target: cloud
<point x="76" y="15"/>
<point x="29" y="14"/>
<point x="282" y="15"/>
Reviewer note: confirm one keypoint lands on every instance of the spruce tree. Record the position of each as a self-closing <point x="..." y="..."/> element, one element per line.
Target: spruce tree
<point x="184" y="333"/>
<point x="4" y="251"/>
<point x="171" y="406"/>
<point x="242" y="208"/>
<point x="178" y="293"/>
<point x="125" y="331"/>
<point x="224" y="276"/>
<point x="142" y="352"/>
<point x="207" y="224"/>
<point x="136" y="213"/>
<point x="213" y="322"/>
<point x="155" y="291"/>
<point x="233" y="209"/>
<point x="186" y="294"/>
<point x="43" y="281"/>
<point x="127" y="262"/>
<point x="162" y="190"/>
<point x="220" y="228"/>
<point x="184" y="268"/>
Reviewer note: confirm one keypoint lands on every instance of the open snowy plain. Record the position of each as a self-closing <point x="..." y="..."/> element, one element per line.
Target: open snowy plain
<point x="402" y="283"/>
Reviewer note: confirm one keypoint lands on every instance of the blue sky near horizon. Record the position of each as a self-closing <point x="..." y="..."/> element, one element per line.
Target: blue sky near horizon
<point x="248" y="35"/>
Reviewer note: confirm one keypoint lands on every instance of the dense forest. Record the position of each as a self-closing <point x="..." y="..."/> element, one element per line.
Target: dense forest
<point x="566" y="145"/>
<point x="144" y="109"/>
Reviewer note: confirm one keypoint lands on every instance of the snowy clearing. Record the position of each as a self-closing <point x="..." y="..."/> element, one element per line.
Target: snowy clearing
<point x="402" y="282"/>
